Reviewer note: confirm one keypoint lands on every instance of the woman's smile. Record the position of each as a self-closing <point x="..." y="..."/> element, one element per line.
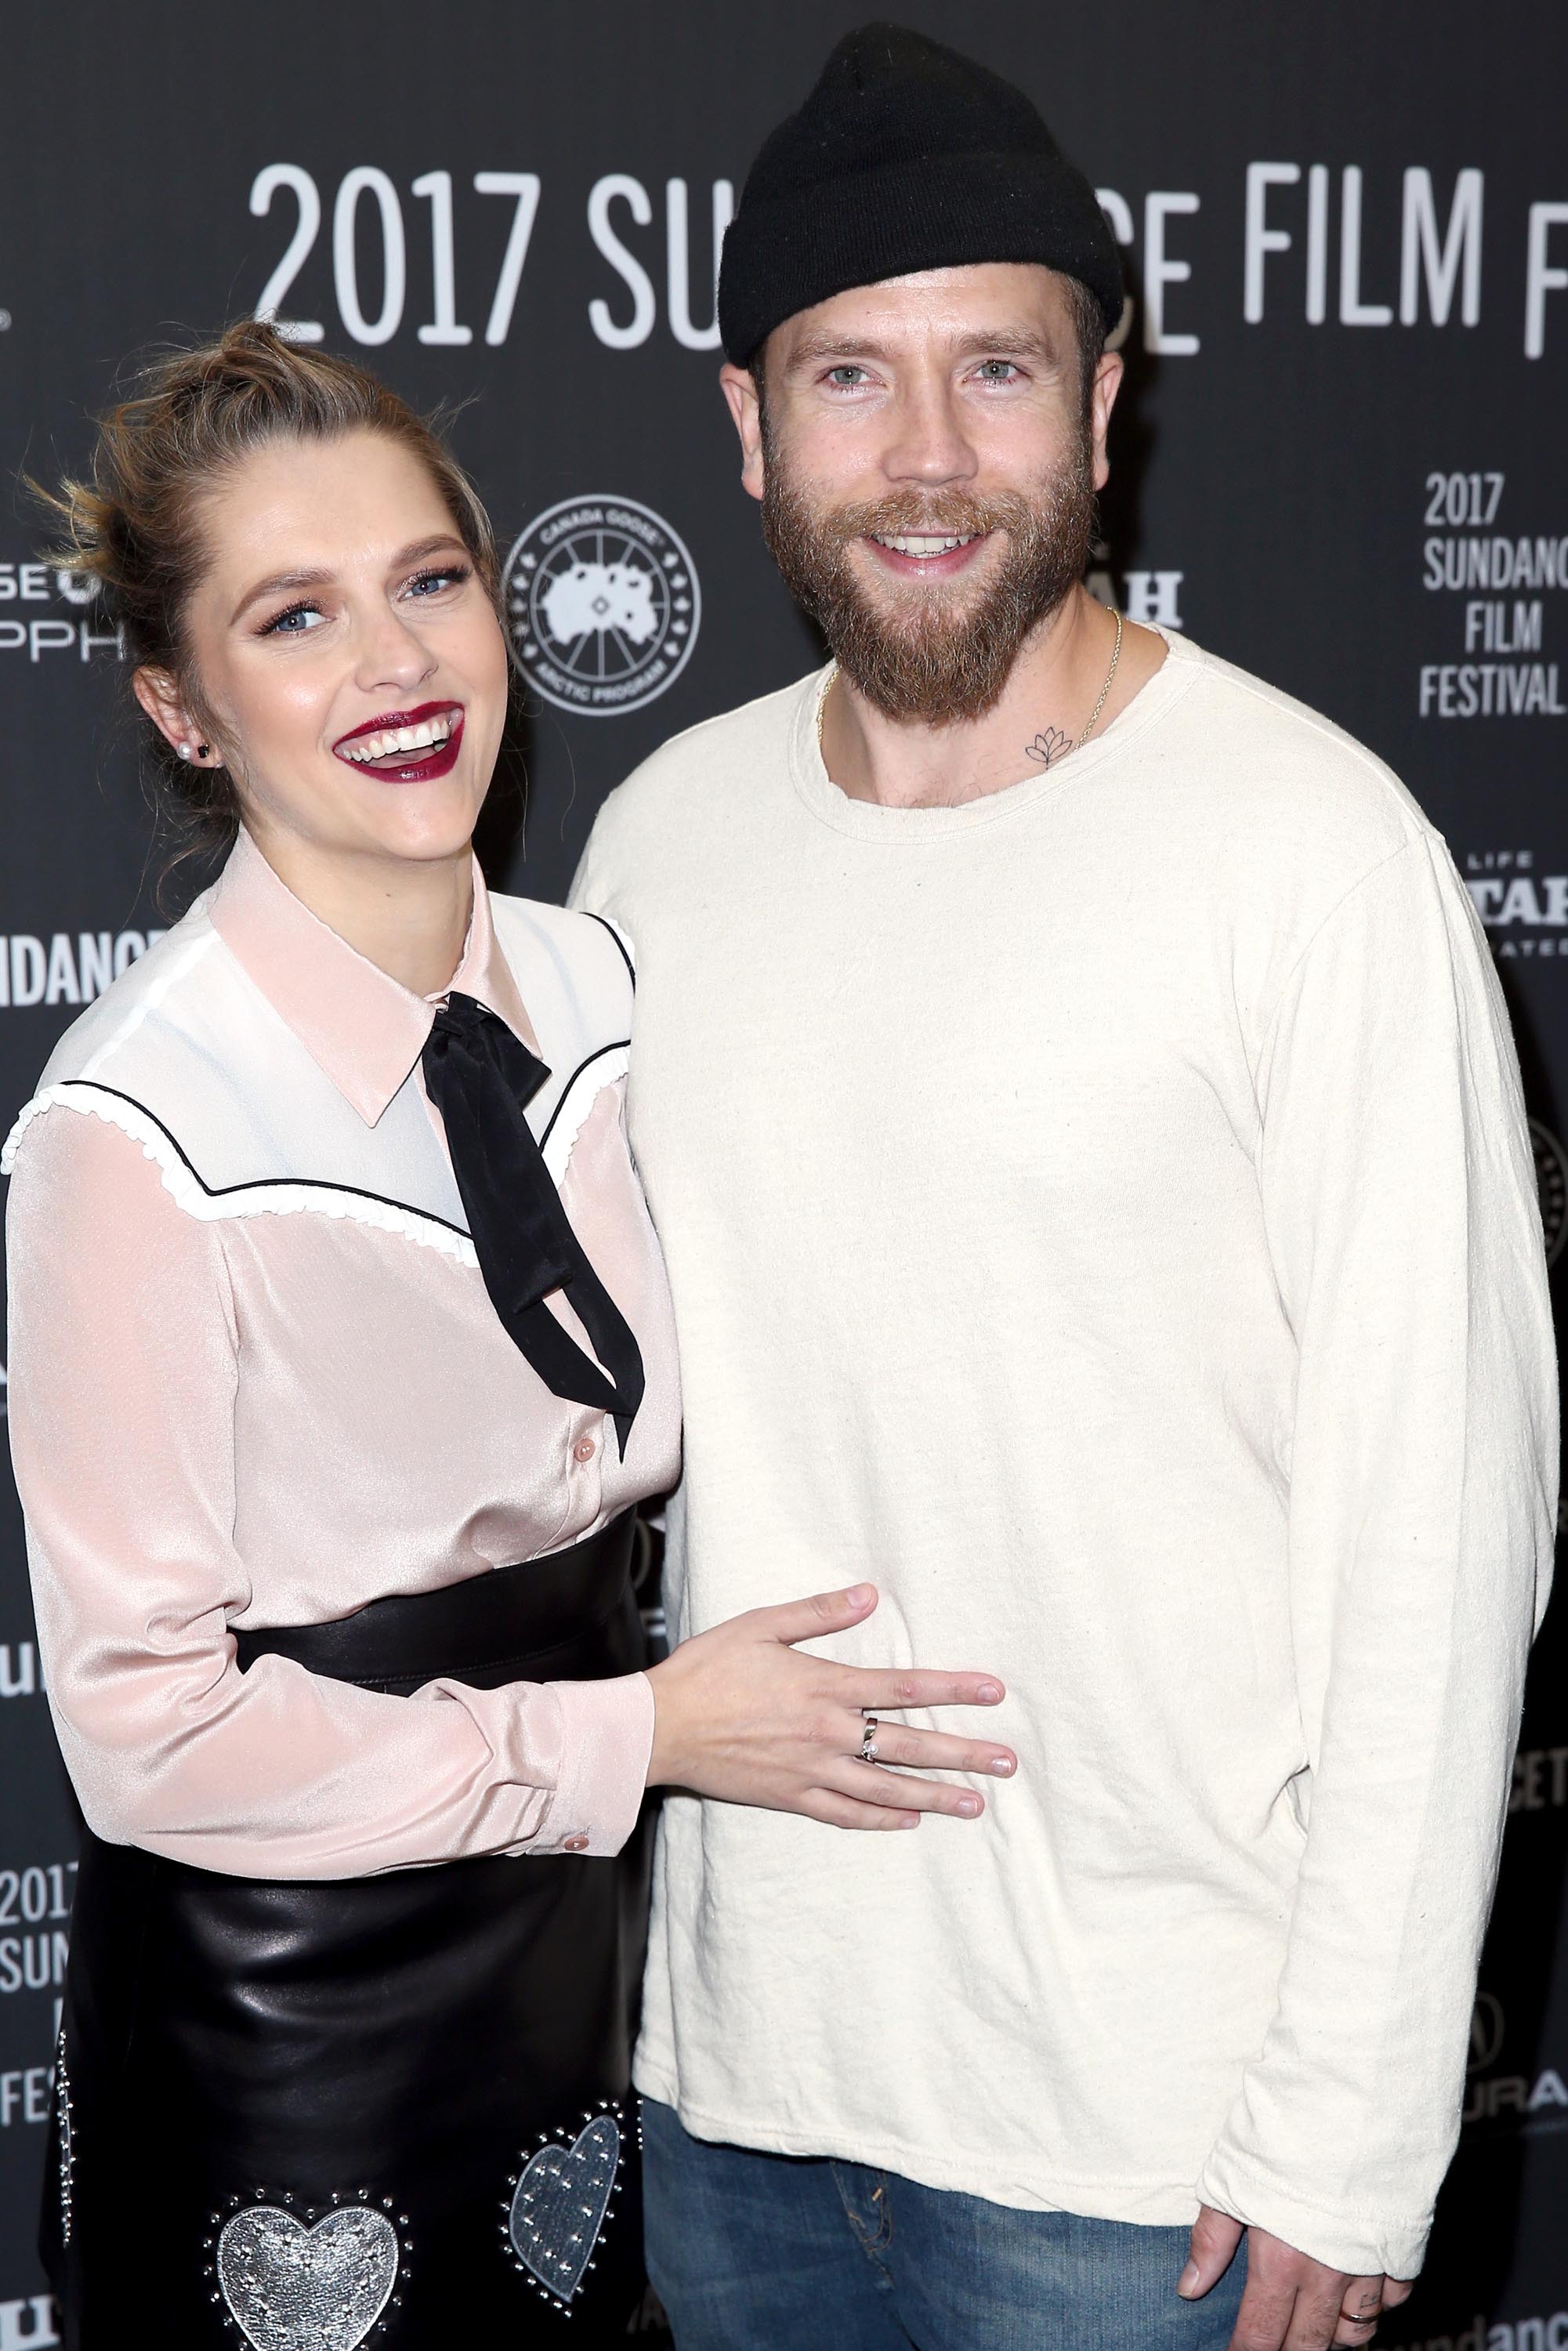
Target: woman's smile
<point x="406" y="747"/>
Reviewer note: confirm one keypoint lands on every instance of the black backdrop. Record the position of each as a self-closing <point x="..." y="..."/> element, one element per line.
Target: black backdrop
<point x="1338" y="460"/>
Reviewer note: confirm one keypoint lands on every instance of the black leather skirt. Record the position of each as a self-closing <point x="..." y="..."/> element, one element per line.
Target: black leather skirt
<point x="391" y="2110"/>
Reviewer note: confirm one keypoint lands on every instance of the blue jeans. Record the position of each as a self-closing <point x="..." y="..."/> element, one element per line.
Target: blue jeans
<point x="778" y="2252"/>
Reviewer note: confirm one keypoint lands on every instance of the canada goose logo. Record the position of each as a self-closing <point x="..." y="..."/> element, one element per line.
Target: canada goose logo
<point x="602" y="605"/>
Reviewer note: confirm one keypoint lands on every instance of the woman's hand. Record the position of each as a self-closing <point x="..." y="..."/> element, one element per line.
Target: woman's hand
<point x="740" y="1714"/>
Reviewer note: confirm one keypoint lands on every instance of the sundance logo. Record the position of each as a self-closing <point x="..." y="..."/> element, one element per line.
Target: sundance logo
<point x="25" y="2092"/>
<point x="1519" y="2335"/>
<point x="65" y="968"/>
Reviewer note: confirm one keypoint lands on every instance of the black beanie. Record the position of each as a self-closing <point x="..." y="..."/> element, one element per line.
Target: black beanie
<point x="905" y="156"/>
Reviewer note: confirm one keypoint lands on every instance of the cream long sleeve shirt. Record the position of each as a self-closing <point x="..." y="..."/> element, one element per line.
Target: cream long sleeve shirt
<point x="1102" y="1215"/>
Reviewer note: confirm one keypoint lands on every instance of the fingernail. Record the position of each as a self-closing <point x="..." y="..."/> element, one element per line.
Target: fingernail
<point x="910" y="1821"/>
<point x="968" y="1807"/>
<point x="990" y="1693"/>
<point x="1005" y="1766"/>
<point x="1188" y="2282"/>
<point x="858" y="1594"/>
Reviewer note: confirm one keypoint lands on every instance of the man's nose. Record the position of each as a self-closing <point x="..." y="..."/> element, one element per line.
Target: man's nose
<point x="929" y="443"/>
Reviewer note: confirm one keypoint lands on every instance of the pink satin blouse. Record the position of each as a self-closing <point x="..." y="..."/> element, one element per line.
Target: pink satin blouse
<point x="256" y="1379"/>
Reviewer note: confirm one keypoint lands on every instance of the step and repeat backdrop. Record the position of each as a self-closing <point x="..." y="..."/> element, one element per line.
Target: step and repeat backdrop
<point x="1340" y="460"/>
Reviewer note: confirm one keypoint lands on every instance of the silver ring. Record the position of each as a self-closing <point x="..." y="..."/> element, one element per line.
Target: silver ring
<point x="868" y="1744"/>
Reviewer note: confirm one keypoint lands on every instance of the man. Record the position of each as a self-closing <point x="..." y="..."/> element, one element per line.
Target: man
<point x="1082" y="1122"/>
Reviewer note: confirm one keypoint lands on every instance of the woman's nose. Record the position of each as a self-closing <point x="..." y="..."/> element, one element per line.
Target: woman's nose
<point x="390" y="652"/>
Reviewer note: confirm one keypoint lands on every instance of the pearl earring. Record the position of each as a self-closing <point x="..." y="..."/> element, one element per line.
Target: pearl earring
<point x="184" y="750"/>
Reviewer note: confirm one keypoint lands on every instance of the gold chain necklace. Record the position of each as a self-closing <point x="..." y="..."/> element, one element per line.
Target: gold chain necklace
<point x="1105" y="690"/>
<point x="1094" y="715"/>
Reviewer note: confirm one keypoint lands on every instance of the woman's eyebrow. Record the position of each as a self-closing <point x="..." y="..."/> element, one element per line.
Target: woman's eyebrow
<point x="444" y="541"/>
<point x="277" y="584"/>
<point x="281" y="583"/>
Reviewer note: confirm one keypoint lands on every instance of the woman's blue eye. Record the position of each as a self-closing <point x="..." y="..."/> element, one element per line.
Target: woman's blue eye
<point x="301" y="620"/>
<point x="294" y="623"/>
<point x="436" y="581"/>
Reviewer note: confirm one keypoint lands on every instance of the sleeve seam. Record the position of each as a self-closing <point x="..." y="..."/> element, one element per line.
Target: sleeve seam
<point x="1351" y="891"/>
<point x="1317" y="723"/>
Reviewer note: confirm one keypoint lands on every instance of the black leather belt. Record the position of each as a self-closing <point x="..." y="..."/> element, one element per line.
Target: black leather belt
<point x="508" y="1625"/>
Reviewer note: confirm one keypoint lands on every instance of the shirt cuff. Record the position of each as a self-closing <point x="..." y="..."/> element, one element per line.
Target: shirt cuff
<point x="607" y="1738"/>
<point x="1357" y="2244"/>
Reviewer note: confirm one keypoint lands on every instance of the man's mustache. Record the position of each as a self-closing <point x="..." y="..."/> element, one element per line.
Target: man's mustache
<point x="952" y="515"/>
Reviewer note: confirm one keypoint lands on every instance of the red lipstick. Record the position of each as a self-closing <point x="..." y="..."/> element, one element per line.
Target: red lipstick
<point x="420" y="764"/>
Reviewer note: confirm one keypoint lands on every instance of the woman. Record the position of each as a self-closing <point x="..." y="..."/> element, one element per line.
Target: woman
<point x="341" y="1357"/>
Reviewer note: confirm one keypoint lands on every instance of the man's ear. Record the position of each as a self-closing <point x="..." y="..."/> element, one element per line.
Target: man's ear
<point x="741" y="392"/>
<point x="1102" y="401"/>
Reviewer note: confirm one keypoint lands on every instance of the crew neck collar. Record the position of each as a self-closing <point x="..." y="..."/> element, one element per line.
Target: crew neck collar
<point x="871" y="821"/>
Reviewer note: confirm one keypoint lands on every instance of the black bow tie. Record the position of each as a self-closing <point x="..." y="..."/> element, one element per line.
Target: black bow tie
<point x="481" y="1078"/>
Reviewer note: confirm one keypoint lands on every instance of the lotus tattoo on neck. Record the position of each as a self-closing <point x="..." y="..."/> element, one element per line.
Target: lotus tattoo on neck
<point x="1049" y="745"/>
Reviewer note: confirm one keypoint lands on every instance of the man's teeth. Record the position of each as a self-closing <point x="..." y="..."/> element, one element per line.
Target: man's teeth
<point x="423" y="738"/>
<point x="908" y="543"/>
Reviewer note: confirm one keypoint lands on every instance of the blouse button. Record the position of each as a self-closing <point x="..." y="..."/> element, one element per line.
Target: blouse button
<point x="585" y="1449"/>
<point x="574" y="1845"/>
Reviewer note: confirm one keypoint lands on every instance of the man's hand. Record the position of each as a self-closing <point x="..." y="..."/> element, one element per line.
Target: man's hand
<point x="1291" y="2303"/>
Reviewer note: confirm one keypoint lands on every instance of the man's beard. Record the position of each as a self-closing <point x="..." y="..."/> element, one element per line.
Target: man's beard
<point x="939" y="652"/>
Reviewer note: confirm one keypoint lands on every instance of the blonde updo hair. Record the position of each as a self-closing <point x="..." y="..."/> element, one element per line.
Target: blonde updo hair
<point x="133" y="524"/>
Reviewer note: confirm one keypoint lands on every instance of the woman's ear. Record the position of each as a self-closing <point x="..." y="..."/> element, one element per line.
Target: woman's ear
<point x="160" y="697"/>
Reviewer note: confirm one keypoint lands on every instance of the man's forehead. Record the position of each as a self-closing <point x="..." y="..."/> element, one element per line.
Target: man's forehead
<point x="981" y="302"/>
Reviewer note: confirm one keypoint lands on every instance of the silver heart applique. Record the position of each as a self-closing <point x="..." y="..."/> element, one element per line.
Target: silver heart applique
<point x="559" y="2207"/>
<point x="294" y="2288"/>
